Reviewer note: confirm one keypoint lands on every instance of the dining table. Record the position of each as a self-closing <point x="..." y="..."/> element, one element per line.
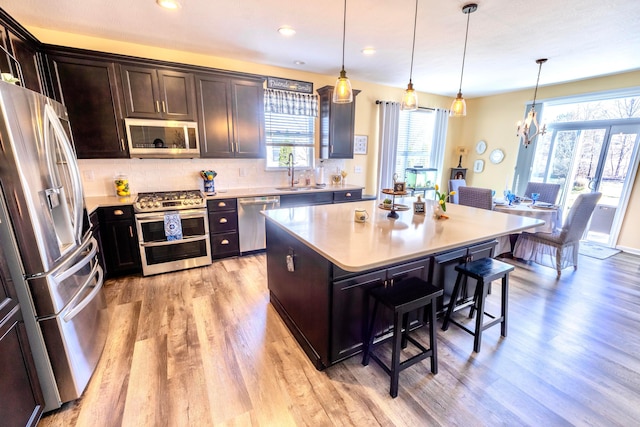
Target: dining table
<point x="550" y="214"/>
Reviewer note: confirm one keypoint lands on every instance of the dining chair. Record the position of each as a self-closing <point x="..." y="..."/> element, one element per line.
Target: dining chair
<point x="476" y="197"/>
<point x="483" y="198"/>
<point x="454" y="185"/>
<point x="548" y="192"/>
<point x="560" y="248"/>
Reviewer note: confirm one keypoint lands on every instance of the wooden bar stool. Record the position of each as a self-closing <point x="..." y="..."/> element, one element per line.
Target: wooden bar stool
<point x="402" y="298"/>
<point x="485" y="271"/>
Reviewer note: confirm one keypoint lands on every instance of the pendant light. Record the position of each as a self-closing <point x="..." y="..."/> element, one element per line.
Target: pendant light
<point x="342" y="93"/>
<point x="531" y="122"/>
<point x="410" y="98"/>
<point x="459" y="105"/>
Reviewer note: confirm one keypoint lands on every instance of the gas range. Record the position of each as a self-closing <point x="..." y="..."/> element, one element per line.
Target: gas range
<point x="169" y="201"/>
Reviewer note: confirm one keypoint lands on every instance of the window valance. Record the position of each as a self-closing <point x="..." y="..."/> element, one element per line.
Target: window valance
<point x="284" y="102"/>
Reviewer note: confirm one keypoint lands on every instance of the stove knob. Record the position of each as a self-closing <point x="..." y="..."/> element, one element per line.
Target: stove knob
<point x="157" y="204"/>
<point x="143" y="205"/>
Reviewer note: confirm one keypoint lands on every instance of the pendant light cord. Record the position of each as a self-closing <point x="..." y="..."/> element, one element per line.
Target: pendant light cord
<point x="464" y="52"/>
<point x="413" y="48"/>
<point x="344" y="31"/>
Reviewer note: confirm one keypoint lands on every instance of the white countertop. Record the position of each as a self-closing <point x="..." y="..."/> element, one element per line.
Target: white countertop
<point x="331" y="231"/>
<point x="94" y="202"/>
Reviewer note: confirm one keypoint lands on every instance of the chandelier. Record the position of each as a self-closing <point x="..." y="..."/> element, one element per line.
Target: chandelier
<point x="530" y="124"/>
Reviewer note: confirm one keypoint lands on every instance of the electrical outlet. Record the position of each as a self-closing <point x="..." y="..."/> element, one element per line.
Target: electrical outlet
<point x="357" y="169"/>
<point x="242" y="172"/>
<point x="89" y="175"/>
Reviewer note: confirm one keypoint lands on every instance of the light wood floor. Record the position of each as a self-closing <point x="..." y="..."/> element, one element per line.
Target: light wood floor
<point x="204" y="347"/>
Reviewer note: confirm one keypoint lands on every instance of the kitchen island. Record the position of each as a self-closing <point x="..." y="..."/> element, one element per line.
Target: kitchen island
<point x="320" y="263"/>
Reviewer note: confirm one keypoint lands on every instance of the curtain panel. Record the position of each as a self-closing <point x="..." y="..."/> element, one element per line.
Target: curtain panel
<point x="439" y="141"/>
<point x="388" y="118"/>
<point x="292" y="103"/>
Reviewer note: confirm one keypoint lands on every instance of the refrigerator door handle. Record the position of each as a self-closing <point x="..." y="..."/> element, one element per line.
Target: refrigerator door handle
<point x="95" y="272"/>
<point x="51" y="120"/>
<point x="92" y="248"/>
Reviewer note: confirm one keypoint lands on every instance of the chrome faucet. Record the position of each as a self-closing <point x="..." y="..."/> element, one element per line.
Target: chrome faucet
<point x="290" y="171"/>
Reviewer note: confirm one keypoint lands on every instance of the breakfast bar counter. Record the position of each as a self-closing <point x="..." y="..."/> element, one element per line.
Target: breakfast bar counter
<point x="320" y="263"/>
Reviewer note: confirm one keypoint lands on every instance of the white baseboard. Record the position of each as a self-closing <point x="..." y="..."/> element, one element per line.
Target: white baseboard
<point x="633" y="251"/>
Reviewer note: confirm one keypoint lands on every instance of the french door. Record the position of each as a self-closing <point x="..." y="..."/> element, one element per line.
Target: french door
<point x="590" y="157"/>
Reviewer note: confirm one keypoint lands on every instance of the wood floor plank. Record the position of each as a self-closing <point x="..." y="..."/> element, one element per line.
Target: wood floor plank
<point x="204" y="347"/>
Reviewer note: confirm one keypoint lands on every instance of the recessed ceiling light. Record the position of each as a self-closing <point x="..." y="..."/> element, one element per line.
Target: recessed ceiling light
<point x="169" y="4"/>
<point x="299" y="62"/>
<point x="368" y="51"/>
<point x="286" y="31"/>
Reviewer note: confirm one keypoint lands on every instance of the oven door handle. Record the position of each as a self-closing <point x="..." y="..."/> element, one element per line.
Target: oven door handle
<point x="173" y="242"/>
<point x="160" y="218"/>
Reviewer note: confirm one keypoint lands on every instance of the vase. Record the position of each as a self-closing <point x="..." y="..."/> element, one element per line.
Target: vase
<point x="437" y="211"/>
<point x="209" y="186"/>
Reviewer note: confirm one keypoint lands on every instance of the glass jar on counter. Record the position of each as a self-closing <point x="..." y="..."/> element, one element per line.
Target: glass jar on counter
<point x="122" y="186"/>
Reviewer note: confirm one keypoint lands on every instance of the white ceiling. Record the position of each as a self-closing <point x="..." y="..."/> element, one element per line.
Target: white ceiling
<point x="582" y="39"/>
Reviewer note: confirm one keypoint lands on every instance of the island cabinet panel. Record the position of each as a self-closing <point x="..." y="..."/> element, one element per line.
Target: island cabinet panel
<point x="152" y="93"/>
<point x="444" y="273"/>
<point x="90" y="91"/>
<point x="351" y="306"/>
<point x="302" y="296"/>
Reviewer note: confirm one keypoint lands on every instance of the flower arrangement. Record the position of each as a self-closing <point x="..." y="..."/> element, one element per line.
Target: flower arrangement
<point x="442" y="198"/>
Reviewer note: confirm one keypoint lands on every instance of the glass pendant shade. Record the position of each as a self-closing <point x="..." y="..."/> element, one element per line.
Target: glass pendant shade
<point x="458" y="107"/>
<point x="342" y="93"/>
<point x="410" y="99"/>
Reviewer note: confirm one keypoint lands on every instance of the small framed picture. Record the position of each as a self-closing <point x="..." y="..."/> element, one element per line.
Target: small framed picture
<point x="399" y="187"/>
<point x="360" y="144"/>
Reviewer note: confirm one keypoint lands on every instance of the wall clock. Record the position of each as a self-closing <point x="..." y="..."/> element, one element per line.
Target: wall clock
<point x="478" y="166"/>
<point x="496" y="156"/>
<point x="481" y="147"/>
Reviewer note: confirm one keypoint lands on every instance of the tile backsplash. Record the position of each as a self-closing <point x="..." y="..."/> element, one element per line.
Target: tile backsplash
<point x="181" y="174"/>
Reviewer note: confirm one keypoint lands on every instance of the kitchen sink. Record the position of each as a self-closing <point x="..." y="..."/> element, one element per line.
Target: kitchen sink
<point x="287" y="188"/>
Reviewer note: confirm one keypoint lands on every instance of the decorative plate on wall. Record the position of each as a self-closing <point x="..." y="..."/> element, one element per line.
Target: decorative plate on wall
<point x="481" y="147"/>
<point x="478" y="166"/>
<point x="496" y="156"/>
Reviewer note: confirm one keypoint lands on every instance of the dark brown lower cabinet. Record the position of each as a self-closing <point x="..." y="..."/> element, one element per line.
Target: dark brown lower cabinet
<point x="21" y="400"/>
<point x="119" y="240"/>
<point x="327" y="308"/>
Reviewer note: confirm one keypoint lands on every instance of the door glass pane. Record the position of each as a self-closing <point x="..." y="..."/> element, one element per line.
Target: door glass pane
<point x="613" y="182"/>
<point x="585" y="165"/>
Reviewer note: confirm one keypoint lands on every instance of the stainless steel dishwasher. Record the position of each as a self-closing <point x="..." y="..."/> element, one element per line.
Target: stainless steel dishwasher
<point x="251" y="223"/>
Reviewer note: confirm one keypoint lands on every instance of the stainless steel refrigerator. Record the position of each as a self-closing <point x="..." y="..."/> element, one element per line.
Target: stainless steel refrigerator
<point x="45" y="221"/>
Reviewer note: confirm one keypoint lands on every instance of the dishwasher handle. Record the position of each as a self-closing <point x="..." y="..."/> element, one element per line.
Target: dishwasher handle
<point x="275" y="200"/>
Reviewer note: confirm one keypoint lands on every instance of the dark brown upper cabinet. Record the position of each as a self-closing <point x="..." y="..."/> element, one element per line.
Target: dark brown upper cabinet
<point x="230" y="116"/>
<point x="336" y="126"/>
<point x="89" y="89"/>
<point x="26" y="50"/>
<point x="152" y="93"/>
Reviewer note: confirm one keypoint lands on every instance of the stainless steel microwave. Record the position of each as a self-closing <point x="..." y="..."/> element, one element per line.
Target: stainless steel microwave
<point x="162" y="139"/>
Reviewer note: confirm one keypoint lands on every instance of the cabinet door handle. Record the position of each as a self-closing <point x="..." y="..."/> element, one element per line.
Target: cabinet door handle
<point x="222" y="204"/>
<point x="131" y="231"/>
<point x="331" y="149"/>
<point x="158" y="106"/>
<point x="122" y="144"/>
<point x="118" y="212"/>
<point x="224" y="242"/>
<point x="164" y="107"/>
<point x="347" y="195"/>
<point x="223" y="220"/>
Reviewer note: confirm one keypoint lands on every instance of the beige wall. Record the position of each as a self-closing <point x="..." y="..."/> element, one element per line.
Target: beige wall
<point x="490" y="118"/>
<point x="493" y="119"/>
